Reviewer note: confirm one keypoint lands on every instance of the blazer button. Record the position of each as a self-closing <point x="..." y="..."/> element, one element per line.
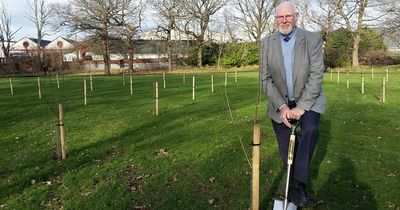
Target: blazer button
<point x="285" y="96"/>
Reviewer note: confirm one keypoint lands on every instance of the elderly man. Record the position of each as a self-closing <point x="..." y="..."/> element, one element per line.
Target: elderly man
<point x="292" y="69"/>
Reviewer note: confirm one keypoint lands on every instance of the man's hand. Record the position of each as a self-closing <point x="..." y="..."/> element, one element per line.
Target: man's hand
<point x="286" y="115"/>
<point x="296" y="113"/>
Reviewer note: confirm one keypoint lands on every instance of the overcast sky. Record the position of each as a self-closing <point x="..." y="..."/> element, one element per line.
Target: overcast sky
<point x="18" y="10"/>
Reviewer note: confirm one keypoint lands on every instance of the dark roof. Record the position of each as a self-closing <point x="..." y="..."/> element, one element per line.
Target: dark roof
<point x="70" y="40"/>
<point x="43" y="42"/>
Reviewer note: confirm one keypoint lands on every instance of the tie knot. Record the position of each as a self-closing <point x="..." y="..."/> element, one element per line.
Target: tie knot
<point x="286" y="39"/>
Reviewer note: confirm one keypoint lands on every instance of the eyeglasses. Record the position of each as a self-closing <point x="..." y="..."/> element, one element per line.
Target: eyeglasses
<point x="286" y="17"/>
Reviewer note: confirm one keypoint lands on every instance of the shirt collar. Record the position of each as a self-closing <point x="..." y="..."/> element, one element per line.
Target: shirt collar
<point x="290" y="35"/>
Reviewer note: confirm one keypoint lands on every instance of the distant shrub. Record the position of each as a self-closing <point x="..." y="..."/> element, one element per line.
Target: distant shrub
<point x="238" y="54"/>
<point x="339" y="44"/>
<point x="379" y="58"/>
<point x="209" y="55"/>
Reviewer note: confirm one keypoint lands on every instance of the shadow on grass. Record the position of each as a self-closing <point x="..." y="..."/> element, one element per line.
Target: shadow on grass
<point x="321" y="148"/>
<point x="267" y="203"/>
<point x="344" y="191"/>
<point x="319" y="154"/>
<point x="143" y="138"/>
<point x="104" y="150"/>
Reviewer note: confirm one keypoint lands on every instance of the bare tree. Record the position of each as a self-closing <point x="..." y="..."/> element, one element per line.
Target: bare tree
<point x="355" y="16"/>
<point x="391" y="23"/>
<point x="168" y="11"/>
<point x="95" y="18"/>
<point x="197" y="16"/>
<point x="230" y="28"/>
<point x="323" y="17"/>
<point x="128" y="24"/>
<point x="39" y="14"/>
<point x="255" y="17"/>
<point x="6" y="31"/>
<point x="219" y="34"/>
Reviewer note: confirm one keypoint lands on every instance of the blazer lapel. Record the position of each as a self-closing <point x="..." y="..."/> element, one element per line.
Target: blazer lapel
<point x="298" y="47"/>
<point x="277" y="52"/>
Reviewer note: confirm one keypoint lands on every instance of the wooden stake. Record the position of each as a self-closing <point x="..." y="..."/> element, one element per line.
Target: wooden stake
<point x="194" y="88"/>
<point x="348" y="80"/>
<point x="362" y="83"/>
<point x="212" y="83"/>
<point x="123" y="78"/>
<point x="163" y="75"/>
<point x="184" y="78"/>
<point x="156" y="98"/>
<point x="84" y="92"/>
<point x="39" y="90"/>
<point x="130" y="83"/>
<point x="338" y="76"/>
<point x="331" y="74"/>
<point x="58" y="82"/>
<point x="255" y="184"/>
<point x="91" y="83"/>
<point x="235" y="76"/>
<point x="387" y="74"/>
<point x="11" y="87"/>
<point x="226" y="78"/>
<point x="383" y="89"/>
<point x="372" y="72"/>
<point x="61" y="127"/>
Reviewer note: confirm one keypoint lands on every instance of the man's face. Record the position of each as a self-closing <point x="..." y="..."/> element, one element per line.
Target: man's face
<point x="286" y="19"/>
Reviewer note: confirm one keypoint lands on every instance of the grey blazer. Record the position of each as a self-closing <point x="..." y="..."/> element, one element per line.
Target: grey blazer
<point x="308" y="72"/>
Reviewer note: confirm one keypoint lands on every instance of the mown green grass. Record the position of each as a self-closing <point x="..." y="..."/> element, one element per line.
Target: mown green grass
<point x="115" y="145"/>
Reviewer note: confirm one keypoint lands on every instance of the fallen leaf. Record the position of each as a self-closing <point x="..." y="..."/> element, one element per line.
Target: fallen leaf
<point x="212" y="179"/>
<point x="161" y="152"/>
<point x="86" y="193"/>
<point x="213" y="201"/>
<point x="270" y="172"/>
<point x="391" y="175"/>
<point x="141" y="206"/>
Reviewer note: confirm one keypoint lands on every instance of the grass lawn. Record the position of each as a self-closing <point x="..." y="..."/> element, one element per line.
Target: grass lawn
<point x="121" y="156"/>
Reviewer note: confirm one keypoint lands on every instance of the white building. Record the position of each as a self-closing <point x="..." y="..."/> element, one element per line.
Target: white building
<point x="65" y="46"/>
<point x="2" y="56"/>
<point x="26" y="46"/>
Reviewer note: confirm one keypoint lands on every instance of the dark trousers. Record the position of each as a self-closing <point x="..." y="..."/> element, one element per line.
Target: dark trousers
<point x="305" y="144"/>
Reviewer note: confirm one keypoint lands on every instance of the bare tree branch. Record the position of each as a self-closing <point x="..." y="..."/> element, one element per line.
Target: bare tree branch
<point x="255" y="17"/>
<point x="98" y="19"/>
<point x="39" y="14"/>
<point x="6" y="31"/>
<point x="197" y="16"/>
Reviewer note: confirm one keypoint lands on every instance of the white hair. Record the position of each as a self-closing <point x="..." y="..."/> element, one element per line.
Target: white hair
<point x="286" y="3"/>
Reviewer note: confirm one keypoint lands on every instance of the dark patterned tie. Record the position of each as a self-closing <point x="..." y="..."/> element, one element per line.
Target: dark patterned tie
<point x="286" y="39"/>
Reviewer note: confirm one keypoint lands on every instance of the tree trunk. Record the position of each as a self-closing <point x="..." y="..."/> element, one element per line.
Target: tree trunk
<point x="219" y="55"/>
<point x="107" y="59"/>
<point x="169" y="44"/>
<point x="39" y="63"/>
<point x="356" y="45"/>
<point x="169" y="54"/>
<point x="130" y="60"/>
<point x="200" y="56"/>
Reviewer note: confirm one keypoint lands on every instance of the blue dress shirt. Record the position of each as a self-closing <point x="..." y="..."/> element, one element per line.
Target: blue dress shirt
<point x="287" y="43"/>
